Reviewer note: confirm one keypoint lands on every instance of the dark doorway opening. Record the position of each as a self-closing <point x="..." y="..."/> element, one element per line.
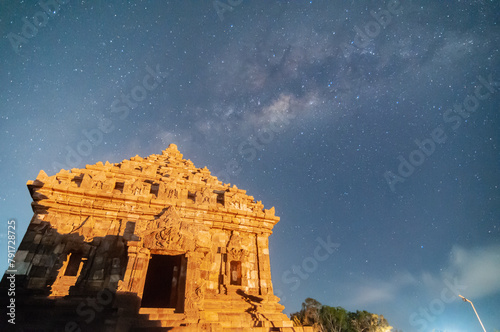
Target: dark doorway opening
<point x="165" y="282"/>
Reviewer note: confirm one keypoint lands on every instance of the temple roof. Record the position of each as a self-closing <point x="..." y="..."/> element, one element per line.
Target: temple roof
<point x="140" y="188"/>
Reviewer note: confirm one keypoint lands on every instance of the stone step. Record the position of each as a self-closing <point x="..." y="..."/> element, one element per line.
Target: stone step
<point x="178" y="317"/>
<point x="237" y="303"/>
<point x="159" y="314"/>
<point x="216" y="314"/>
<point x="156" y="310"/>
<point x="149" y="329"/>
<point x="216" y="327"/>
<point x="159" y="323"/>
<point x="249" y="329"/>
<point x="239" y="314"/>
<point x="232" y="307"/>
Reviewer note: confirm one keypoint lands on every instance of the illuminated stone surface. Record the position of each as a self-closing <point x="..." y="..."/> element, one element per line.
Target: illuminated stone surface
<point x="154" y="242"/>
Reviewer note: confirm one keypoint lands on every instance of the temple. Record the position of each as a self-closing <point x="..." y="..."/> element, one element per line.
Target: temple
<point x="148" y="244"/>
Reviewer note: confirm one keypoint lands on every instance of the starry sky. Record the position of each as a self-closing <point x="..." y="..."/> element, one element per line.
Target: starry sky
<point x="371" y="126"/>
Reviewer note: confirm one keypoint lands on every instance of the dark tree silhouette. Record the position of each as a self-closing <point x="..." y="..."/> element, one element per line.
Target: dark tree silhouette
<point x="336" y="319"/>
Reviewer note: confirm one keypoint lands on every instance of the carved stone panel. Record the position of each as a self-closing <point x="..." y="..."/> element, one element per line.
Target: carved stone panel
<point x="166" y="232"/>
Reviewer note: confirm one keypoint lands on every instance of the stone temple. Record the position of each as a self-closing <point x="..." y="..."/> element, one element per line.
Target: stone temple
<point x="148" y="244"/>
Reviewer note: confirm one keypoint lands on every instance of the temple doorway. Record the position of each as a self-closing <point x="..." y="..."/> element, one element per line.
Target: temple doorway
<point x="165" y="282"/>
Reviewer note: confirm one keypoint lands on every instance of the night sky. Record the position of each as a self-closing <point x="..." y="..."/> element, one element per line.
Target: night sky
<point x="371" y="126"/>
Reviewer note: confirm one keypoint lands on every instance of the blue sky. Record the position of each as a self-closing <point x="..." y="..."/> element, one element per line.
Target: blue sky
<point x="371" y="126"/>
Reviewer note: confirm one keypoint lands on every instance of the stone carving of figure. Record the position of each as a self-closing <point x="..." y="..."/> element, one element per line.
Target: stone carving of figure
<point x="172" y="193"/>
<point x="164" y="232"/>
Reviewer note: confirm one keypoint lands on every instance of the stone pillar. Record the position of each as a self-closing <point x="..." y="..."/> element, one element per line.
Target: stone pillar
<point x="141" y="268"/>
<point x="222" y="257"/>
<point x="265" y="284"/>
<point x="195" y="286"/>
<point x="135" y="274"/>
<point x="125" y="284"/>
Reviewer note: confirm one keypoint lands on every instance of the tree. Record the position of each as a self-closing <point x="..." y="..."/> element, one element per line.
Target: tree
<point x="334" y="319"/>
<point x="364" y="321"/>
<point x="324" y="318"/>
<point x="309" y="314"/>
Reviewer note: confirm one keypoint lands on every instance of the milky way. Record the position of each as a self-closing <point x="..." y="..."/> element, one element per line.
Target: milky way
<point x="371" y="126"/>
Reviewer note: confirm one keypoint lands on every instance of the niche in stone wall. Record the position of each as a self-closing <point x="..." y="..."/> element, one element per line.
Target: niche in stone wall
<point x="68" y="274"/>
<point x="235" y="273"/>
<point x="73" y="265"/>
